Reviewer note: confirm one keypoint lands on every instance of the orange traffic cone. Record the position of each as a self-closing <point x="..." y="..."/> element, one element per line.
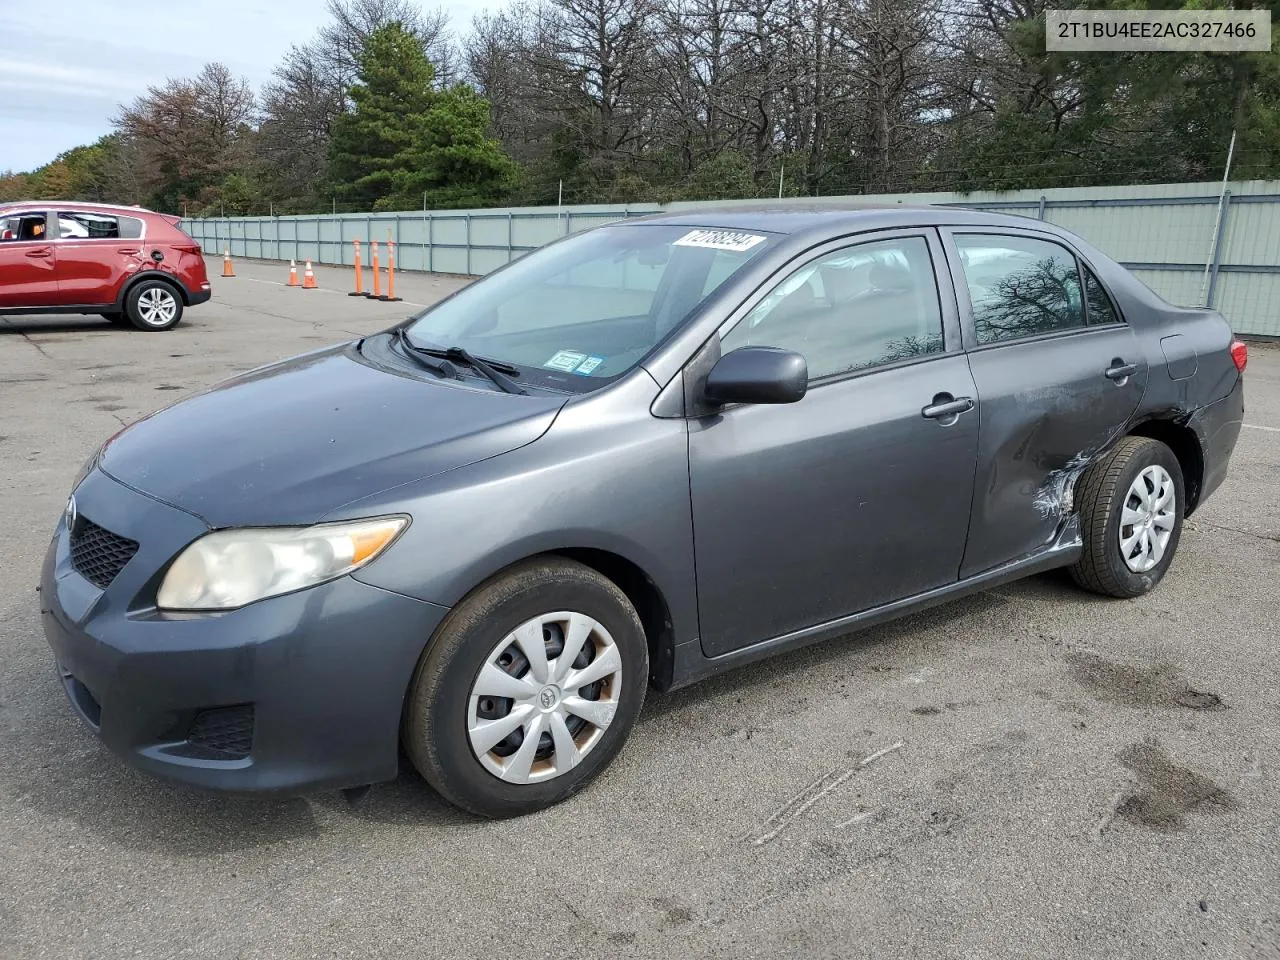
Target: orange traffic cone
<point x="227" y="269"/>
<point x="390" y="296"/>
<point x="293" y="274"/>
<point x="377" y="283"/>
<point x="359" y="290"/>
<point x="308" y="278"/>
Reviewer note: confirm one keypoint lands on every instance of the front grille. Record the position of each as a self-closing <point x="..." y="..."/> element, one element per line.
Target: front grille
<point x="228" y="731"/>
<point x="99" y="555"/>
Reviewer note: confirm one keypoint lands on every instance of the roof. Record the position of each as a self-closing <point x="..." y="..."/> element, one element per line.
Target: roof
<point x="79" y="204"/>
<point x="800" y="217"/>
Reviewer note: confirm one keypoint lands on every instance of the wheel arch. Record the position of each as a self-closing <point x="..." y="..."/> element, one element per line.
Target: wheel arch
<point x="1185" y="444"/>
<point x="144" y="275"/>
<point x="628" y="576"/>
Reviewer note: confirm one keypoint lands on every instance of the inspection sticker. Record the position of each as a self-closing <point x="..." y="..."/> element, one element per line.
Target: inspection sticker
<point x="720" y="240"/>
<point x="589" y="364"/>
<point x="566" y="360"/>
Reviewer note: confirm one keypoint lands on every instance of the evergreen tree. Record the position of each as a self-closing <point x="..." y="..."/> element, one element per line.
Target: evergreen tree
<point x="405" y="141"/>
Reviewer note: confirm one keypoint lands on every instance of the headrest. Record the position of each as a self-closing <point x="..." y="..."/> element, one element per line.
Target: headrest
<point x="886" y="277"/>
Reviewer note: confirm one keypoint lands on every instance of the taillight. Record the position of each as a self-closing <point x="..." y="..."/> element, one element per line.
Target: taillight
<point x="1239" y="354"/>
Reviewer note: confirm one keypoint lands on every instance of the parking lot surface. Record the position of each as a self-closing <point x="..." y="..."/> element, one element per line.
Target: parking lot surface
<point x="1030" y="772"/>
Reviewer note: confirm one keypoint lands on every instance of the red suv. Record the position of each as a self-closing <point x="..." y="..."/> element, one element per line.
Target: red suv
<point x="130" y="265"/>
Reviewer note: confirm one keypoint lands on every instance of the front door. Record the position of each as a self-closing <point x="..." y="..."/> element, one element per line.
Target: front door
<point x="1059" y="374"/>
<point x="859" y="494"/>
<point x="27" y="262"/>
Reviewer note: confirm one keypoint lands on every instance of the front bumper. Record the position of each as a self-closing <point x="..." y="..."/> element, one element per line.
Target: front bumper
<point x="295" y="693"/>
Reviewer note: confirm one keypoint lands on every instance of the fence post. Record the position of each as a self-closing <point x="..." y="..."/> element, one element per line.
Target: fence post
<point x="1040" y="210"/>
<point x="510" y="247"/>
<point x="468" y="244"/>
<point x="430" y="242"/>
<point x="1217" y="247"/>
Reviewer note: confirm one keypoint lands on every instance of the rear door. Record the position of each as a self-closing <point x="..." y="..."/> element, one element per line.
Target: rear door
<point x="28" y="262"/>
<point x="96" y="251"/>
<point x="1058" y="373"/>
<point x="859" y="494"/>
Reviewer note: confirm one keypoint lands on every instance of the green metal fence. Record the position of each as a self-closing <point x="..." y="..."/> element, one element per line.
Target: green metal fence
<point x="1193" y="243"/>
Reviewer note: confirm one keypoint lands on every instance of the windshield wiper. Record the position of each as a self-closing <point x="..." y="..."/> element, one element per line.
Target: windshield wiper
<point x="490" y="370"/>
<point x="427" y="358"/>
<point x="495" y="370"/>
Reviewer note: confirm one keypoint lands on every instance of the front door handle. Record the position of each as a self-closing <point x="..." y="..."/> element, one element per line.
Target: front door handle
<point x="1119" y="370"/>
<point x="39" y="254"/>
<point x="947" y="407"/>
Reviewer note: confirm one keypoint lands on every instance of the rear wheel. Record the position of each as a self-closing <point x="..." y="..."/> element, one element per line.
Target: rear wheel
<point x="153" y="305"/>
<point x="528" y="690"/>
<point x="1130" y="504"/>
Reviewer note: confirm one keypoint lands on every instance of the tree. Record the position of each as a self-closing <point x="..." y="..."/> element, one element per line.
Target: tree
<point x="191" y="133"/>
<point x="404" y="139"/>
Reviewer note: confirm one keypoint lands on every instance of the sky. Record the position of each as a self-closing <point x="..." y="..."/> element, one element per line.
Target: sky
<point x="67" y="65"/>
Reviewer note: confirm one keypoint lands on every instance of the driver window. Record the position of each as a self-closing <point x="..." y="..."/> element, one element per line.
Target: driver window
<point x="859" y="307"/>
<point x="23" y="226"/>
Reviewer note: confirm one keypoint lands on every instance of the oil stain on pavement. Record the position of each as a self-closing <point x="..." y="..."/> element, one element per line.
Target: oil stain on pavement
<point x="1158" y="685"/>
<point x="1166" y="793"/>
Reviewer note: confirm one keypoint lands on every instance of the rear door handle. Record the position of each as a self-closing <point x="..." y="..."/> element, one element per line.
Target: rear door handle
<point x="944" y="406"/>
<point x="129" y="251"/>
<point x="1119" y="370"/>
<point x="37" y="254"/>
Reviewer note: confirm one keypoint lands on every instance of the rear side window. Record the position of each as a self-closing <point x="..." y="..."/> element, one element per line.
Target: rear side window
<point x="1101" y="310"/>
<point x="82" y="225"/>
<point x="1020" y="286"/>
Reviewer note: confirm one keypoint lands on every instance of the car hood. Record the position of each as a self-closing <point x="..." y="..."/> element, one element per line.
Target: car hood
<point x="293" y="441"/>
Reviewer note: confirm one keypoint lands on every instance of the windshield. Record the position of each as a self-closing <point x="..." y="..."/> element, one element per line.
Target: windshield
<point x="589" y="308"/>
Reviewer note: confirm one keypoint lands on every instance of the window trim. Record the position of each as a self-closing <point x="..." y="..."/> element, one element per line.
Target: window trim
<point x="952" y="342"/>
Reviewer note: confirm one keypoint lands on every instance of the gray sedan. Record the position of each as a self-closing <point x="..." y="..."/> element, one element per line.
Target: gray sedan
<point x="636" y="457"/>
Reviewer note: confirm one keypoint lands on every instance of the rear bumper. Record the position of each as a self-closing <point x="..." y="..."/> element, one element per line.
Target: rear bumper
<point x="1218" y="428"/>
<point x="198" y="296"/>
<point x="296" y="693"/>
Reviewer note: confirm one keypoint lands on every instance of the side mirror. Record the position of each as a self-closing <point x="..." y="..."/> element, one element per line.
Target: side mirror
<point x="758" y="375"/>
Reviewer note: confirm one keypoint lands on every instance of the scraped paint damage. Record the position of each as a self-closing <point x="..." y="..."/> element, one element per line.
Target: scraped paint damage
<point x="1056" y="495"/>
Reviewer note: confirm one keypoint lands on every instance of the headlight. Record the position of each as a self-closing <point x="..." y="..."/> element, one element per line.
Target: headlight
<point x="230" y="568"/>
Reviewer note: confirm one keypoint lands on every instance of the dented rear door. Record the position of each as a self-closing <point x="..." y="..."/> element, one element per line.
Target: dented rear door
<point x="1056" y="384"/>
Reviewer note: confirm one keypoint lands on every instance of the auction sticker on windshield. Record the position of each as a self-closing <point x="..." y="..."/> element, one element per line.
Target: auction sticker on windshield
<point x="566" y="360"/>
<point x="720" y="240"/>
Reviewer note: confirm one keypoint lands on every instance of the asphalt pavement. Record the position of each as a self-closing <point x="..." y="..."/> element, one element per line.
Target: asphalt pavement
<point x="1029" y="772"/>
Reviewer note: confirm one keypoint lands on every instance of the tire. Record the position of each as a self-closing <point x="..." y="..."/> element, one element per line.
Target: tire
<point x="443" y="709"/>
<point x="1103" y="494"/>
<point x="119" y="319"/>
<point x="153" y="305"/>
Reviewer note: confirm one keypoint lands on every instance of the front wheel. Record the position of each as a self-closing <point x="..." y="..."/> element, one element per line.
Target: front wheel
<point x="528" y="690"/>
<point x="1131" y="505"/>
<point x="153" y="305"/>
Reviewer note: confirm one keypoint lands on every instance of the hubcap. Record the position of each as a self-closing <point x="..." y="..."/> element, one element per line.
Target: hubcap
<point x="1147" y="518"/>
<point x="157" y="306"/>
<point x="544" y="697"/>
